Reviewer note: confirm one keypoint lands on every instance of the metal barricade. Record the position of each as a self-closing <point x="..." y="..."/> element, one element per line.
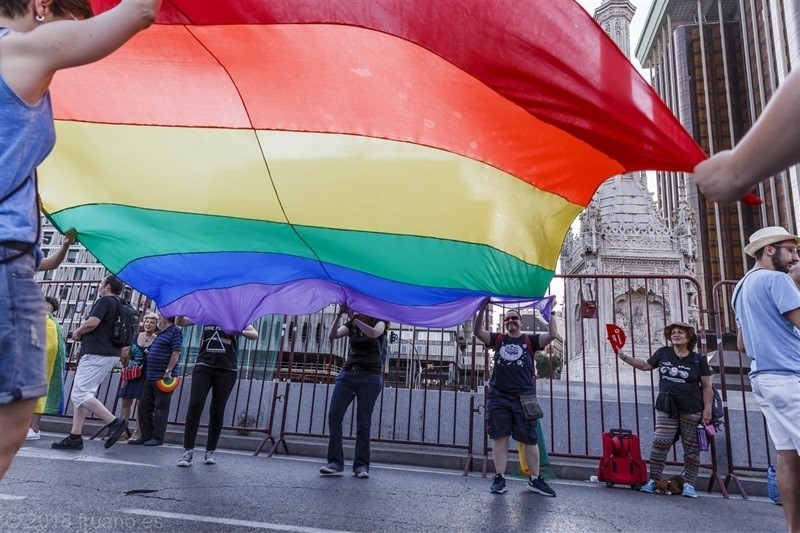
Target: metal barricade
<point x="433" y="394"/>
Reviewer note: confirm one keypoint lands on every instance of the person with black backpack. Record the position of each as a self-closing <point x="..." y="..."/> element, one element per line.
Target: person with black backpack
<point x="512" y="383"/>
<point x="99" y="354"/>
<point x="361" y="380"/>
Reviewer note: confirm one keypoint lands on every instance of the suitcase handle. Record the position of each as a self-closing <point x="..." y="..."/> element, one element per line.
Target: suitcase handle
<point x="615" y="432"/>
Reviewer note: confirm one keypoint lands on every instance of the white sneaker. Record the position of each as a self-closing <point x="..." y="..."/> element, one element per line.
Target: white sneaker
<point x="186" y="459"/>
<point x="209" y="458"/>
<point x="33" y="435"/>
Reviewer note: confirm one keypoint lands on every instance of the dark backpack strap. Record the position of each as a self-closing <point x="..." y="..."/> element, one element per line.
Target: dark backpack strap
<point x="499" y="340"/>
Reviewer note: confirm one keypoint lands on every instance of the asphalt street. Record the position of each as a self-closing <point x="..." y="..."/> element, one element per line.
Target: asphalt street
<point x="131" y="488"/>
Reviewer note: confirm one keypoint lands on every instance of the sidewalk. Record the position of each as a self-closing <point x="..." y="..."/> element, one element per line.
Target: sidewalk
<point x="408" y="455"/>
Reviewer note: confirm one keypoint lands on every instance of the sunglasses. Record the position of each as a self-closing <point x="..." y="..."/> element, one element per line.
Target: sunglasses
<point x="510" y="318"/>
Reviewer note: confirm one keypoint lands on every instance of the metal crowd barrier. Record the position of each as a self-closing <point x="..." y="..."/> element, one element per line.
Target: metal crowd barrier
<point x="433" y="393"/>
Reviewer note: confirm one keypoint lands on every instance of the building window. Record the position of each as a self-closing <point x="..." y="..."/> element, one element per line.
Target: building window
<point x="304" y="333"/>
<point x="64" y="294"/>
<point x="318" y="334"/>
<point x="72" y="256"/>
<point x="78" y="275"/>
<point x="290" y="332"/>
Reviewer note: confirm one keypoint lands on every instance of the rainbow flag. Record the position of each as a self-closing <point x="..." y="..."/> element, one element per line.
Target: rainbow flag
<point x="409" y="158"/>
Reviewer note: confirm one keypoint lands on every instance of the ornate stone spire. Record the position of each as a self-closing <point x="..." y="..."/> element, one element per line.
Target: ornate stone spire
<point x="615" y="16"/>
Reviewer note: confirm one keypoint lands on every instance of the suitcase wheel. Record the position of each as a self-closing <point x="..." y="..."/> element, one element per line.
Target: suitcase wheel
<point x="636" y="486"/>
<point x="609" y="484"/>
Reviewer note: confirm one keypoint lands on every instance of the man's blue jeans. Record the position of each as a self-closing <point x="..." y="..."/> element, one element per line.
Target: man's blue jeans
<point x="364" y="387"/>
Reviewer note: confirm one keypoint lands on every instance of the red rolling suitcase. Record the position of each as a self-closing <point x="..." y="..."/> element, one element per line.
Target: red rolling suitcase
<point x="622" y="462"/>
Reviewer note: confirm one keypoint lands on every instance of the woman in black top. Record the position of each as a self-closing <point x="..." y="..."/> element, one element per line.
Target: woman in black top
<point x="360" y="379"/>
<point x="215" y="370"/>
<point x="684" y="401"/>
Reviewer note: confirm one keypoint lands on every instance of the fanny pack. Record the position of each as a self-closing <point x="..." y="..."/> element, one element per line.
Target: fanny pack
<point x="531" y="409"/>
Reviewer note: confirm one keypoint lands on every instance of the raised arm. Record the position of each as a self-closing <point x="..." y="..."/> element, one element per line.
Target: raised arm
<point x="373" y="332"/>
<point x="337" y="331"/>
<point x="52" y="261"/>
<point x="479" y="331"/>
<point x="33" y="57"/>
<point x="551" y="335"/>
<point x="769" y="147"/>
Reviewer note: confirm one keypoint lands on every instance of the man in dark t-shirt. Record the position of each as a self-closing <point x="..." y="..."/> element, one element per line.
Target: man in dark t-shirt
<point x="98" y="357"/>
<point x="513" y="371"/>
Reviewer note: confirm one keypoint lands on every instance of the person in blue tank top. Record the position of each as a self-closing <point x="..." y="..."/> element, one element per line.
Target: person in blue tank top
<point x="33" y="34"/>
<point x="513" y="371"/>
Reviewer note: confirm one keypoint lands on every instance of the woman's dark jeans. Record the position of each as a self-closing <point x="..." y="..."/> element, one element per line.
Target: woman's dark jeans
<point x="364" y="387"/>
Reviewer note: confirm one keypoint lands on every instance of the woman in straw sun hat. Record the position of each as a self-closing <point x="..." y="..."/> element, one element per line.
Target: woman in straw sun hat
<point x="684" y="401"/>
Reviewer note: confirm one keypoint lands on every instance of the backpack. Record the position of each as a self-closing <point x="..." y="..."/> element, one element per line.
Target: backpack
<point x="717" y="413"/>
<point x="126" y="325"/>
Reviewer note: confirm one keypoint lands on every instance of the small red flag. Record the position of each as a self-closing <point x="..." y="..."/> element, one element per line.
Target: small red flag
<point x="616" y="337"/>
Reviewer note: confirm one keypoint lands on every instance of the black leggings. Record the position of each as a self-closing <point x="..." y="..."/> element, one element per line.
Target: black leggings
<point x="204" y="379"/>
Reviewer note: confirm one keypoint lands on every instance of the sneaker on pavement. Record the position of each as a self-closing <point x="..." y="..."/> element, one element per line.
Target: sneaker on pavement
<point x="498" y="485"/>
<point x="361" y="472"/>
<point x="689" y="492"/>
<point x="152" y="442"/>
<point x="68" y="443"/>
<point x="33" y="435"/>
<point x="540" y="486"/>
<point x="650" y="487"/>
<point x="331" y="469"/>
<point x="115" y="429"/>
<point x="186" y="460"/>
<point x="208" y="458"/>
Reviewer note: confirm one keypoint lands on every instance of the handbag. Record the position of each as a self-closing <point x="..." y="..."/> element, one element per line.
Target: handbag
<point x="132" y="373"/>
<point x="531" y="409"/>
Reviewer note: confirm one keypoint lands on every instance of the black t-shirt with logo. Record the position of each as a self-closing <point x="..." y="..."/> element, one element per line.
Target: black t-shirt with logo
<point x="98" y="341"/>
<point x="217" y="349"/>
<point x="681" y="377"/>
<point x="513" y="366"/>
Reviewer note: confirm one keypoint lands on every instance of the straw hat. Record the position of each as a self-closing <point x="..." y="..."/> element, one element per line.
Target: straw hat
<point x="766" y="236"/>
<point x="683" y="325"/>
<point x="690" y="332"/>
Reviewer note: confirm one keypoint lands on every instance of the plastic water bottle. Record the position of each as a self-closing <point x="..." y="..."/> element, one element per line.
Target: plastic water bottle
<point x="772" y="486"/>
<point x="702" y="438"/>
